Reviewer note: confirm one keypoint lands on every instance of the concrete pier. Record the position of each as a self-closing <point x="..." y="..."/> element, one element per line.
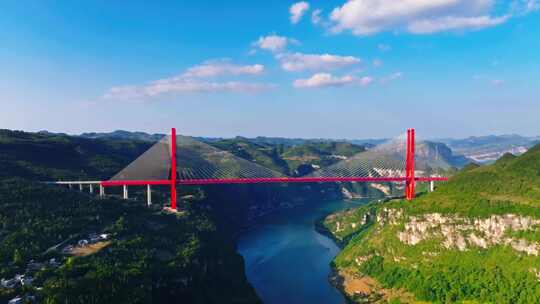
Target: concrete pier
<point x="101" y="191"/>
<point x="431" y="186"/>
<point x="148" y="195"/>
<point x="91" y="188"/>
<point x="125" y="196"/>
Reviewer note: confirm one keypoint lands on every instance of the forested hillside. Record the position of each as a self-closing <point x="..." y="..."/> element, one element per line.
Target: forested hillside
<point x="170" y="259"/>
<point x="150" y="257"/>
<point x="39" y="156"/>
<point x="295" y="160"/>
<point x="476" y="238"/>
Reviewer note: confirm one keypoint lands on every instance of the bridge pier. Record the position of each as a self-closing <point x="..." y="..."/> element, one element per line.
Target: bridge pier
<point x="431" y="186"/>
<point x="148" y="195"/>
<point x="101" y="191"/>
<point x="174" y="173"/>
<point x="125" y="192"/>
<point x="91" y="188"/>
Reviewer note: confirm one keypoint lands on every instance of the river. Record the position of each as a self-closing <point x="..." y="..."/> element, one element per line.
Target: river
<point x="287" y="260"/>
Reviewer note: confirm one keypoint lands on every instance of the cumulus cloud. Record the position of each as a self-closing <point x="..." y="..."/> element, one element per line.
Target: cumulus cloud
<point x="532" y="5"/>
<point x="365" y="81"/>
<point x="522" y="7"/>
<point x="274" y="43"/>
<point x="321" y="80"/>
<point x="316" y="17"/>
<point x="428" y="26"/>
<point x="173" y="86"/>
<point x="295" y="62"/>
<point x="219" y="68"/>
<point x="298" y="10"/>
<point x="191" y="81"/>
<point x="365" y="17"/>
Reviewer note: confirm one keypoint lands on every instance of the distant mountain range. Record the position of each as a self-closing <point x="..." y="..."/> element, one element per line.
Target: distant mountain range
<point x="479" y="149"/>
<point x="121" y="134"/>
<point x="487" y="149"/>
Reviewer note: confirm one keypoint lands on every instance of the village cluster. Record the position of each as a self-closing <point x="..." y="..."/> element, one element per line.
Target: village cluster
<point x="92" y="239"/>
<point x="26" y="279"/>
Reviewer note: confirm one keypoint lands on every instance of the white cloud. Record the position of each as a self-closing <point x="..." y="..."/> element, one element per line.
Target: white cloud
<point x="532" y="5"/>
<point x="365" y="81"/>
<point x="365" y="17"/>
<point x="220" y="68"/>
<point x="273" y="43"/>
<point x="316" y="62"/>
<point x="428" y="26"/>
<point x="391" y="77"/>
<point x="523" y="7"/>
<point x="316" y="16"/>
<point x="298" y="10"/>
<point x="321" y="80"/>
<point x="377" y="63"/>
<point x="174" y="86"/>
<point x="191" y="82"/>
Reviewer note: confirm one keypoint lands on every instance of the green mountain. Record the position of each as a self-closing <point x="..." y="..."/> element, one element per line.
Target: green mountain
<point x="125" y="135"/>
<point x="487" y="149"/>
<point x="320" y="154"/>
<point x="263" y="154"/>
<point x="43" y="156"/>
<point x="148" y="256"/>
<point x="476" y="238"/>
<point x="293" y="160"/>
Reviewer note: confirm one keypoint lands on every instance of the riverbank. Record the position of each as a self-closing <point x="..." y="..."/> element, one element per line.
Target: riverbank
<point x="342" y="226"/>
<point x="288" y="242"/>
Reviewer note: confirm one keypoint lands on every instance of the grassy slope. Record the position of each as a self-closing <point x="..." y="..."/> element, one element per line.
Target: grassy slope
<point x="497" y="274"/>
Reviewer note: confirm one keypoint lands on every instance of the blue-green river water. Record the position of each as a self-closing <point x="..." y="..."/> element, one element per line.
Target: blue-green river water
<point x="287" y="260"/>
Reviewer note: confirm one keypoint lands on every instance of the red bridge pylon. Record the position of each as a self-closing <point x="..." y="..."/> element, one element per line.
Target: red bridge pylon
<point x="409" y="166"/>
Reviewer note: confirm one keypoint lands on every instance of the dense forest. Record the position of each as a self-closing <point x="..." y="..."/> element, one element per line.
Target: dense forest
<point x="152" y="257"/>
<point x="149" y="256"/>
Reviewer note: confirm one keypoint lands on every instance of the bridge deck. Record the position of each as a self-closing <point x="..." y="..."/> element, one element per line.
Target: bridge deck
<point x="268" y="180"/>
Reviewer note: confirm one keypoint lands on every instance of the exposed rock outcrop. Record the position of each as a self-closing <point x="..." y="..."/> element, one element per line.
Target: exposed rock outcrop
<point x="462" y="233"/>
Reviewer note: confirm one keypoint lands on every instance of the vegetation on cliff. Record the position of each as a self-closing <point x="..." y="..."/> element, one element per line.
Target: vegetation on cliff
<point x="476" y="238"/>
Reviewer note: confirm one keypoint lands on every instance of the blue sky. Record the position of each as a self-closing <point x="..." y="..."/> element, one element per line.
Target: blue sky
<point x="333" y="69"/>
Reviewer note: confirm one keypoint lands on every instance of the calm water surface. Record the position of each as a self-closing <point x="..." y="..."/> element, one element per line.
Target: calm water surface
<point x="287" y="261"/>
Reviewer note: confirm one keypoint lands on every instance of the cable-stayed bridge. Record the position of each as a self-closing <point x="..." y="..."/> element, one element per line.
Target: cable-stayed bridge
<point x="179" y="160"/>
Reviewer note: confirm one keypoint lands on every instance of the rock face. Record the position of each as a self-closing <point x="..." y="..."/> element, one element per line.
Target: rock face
<point x="381" y="187"/>
<point x="346" y="193"/>
<point x="463" y="233"/>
